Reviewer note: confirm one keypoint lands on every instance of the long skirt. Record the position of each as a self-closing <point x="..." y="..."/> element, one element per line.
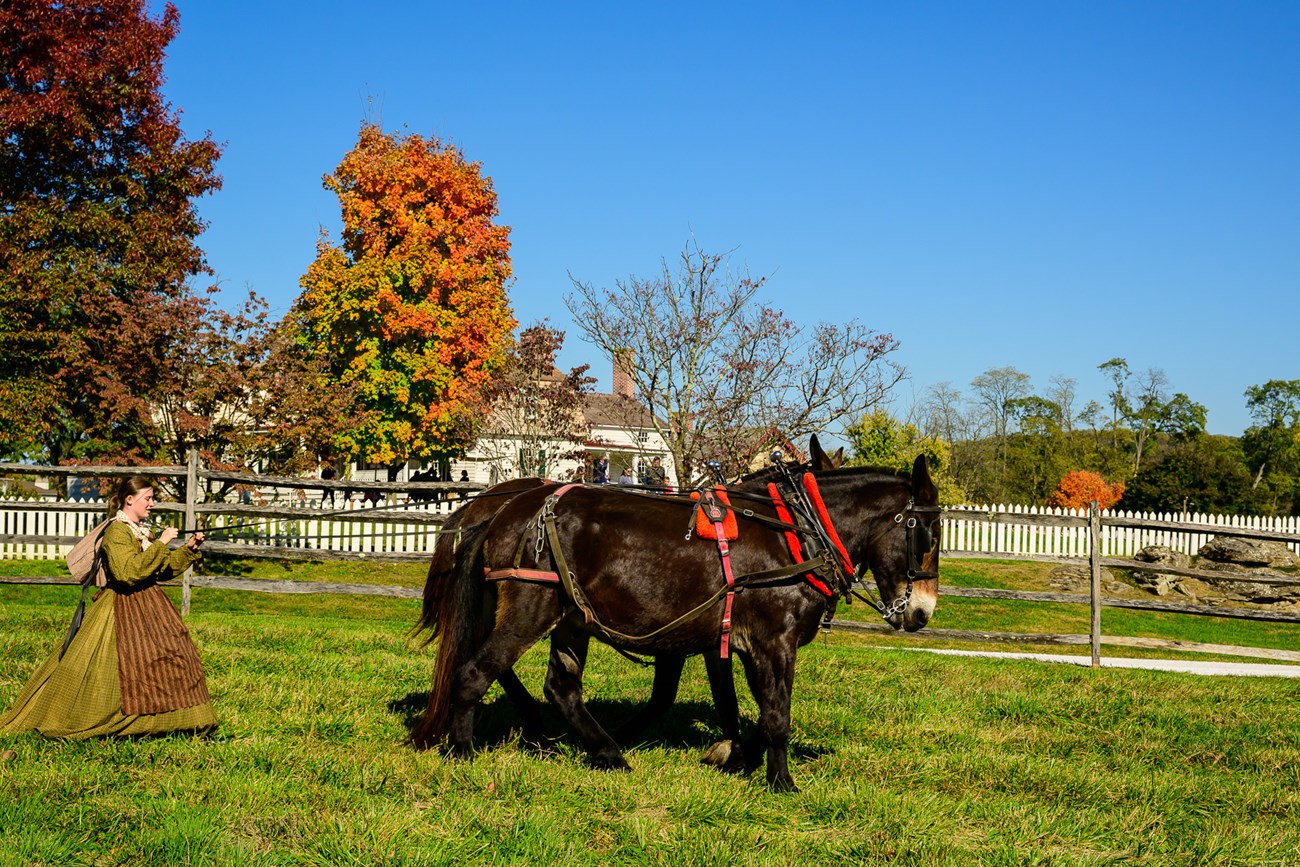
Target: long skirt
<point x="80" y="696"/>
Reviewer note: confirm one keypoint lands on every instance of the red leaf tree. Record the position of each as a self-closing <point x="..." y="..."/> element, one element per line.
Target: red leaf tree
<point x="1081" y="487"/>
<point x="97" y="225"/>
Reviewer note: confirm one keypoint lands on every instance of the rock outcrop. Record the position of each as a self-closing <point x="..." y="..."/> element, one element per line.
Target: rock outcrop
<point x="1252" y="559"/>
<point x="1248" y="552"/>
<point x="1161" y="583"/>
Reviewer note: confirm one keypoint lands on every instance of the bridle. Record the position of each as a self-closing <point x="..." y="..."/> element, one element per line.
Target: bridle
<point x="916" y="570"/>
<point x="907" y="519"/>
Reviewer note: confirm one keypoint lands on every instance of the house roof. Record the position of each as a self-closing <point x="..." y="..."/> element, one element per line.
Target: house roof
<point x="615" y="410"/>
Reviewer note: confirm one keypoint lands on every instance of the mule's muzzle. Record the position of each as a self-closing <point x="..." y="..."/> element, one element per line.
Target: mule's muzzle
<point x="920" y="608"/>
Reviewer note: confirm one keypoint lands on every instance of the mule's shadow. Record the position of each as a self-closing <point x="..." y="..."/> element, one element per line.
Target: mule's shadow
<point x="688" y="725"/>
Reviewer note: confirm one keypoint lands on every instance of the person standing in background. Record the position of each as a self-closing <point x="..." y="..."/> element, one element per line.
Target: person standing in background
<point x="600" y="470"/>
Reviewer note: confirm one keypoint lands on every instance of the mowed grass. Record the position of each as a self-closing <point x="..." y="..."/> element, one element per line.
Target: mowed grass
<point x="995" y="615"/>
<point x="901" y="756"/>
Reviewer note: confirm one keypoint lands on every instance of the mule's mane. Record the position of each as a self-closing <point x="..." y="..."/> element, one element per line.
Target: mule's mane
<point x="772" y="473"/>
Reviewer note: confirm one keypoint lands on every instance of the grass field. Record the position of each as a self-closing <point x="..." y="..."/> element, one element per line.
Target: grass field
<point x="902" y="756"/>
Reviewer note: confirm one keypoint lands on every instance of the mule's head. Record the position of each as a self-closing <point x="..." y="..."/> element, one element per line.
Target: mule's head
<point x="904" y="553"/>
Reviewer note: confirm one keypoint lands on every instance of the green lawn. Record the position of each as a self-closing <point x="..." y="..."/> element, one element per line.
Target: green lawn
<point x="901" y="756"/>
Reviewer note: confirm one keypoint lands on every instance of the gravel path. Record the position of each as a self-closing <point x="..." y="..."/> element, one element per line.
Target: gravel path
<point x="1191" y="666"/>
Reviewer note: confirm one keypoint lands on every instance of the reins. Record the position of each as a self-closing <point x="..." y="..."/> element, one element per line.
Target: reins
<point x="337" y="513"/>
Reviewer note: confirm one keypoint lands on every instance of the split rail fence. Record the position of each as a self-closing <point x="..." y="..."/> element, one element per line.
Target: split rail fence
<point x="404" y="530"/>
<point x="407" y="532"/>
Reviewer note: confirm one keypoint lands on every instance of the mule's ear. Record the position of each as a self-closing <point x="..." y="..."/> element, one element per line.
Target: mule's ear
<point x="837" y="459"/>
<point x="923" y="489"/>
<point x="817" y="456"/>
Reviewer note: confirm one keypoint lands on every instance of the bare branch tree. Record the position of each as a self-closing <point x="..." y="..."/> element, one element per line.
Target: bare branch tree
<point x="724" y="376"/>
<point x="534" y="412"/>
<point x="997" y="390"/>
<point x="1062" y="393"/>
<point x="1152" y="397"/>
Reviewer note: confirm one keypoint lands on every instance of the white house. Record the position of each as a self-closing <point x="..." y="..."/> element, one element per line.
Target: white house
<point x="617" y="424"/>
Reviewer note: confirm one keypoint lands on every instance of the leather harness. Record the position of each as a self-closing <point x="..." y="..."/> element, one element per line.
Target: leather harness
<point x="546" y="535"/>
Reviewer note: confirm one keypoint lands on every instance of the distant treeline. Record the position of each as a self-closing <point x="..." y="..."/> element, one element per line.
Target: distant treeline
<point x="1002" y="442"/>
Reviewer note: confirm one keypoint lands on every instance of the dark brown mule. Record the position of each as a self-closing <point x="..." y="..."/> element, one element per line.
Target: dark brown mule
<point x="637" y="576"/>
<point x="726" y="754"/>
<point x="668" y="668"/>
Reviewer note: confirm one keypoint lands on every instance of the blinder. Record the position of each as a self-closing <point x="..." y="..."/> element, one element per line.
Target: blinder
<point x="922" y="542"/>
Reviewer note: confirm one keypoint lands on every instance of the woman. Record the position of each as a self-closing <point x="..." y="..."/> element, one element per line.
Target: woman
<point x="131" y="669"/>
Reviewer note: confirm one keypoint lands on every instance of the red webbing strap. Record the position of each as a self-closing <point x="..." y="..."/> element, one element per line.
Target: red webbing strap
<point x="715" y="515"/>
<point x="792" y="539"/>
<point x="810" y="485"/>
<point x="520" y="573"/>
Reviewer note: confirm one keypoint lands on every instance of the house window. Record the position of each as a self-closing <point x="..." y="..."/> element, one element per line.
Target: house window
<point x="532" y="462"/>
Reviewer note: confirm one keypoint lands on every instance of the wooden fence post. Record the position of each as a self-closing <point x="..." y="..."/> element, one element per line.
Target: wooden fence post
<point x="191" y="498"/>
<point x="1094" y="557"/>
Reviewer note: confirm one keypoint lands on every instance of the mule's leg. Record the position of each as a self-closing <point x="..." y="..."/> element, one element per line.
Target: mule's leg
<point x="532" y="733"/>
<point x="726" y="755"/>
<point x="668" y="676"/>
<point x="771" y="679"/>
<point x="524" y="614"/>
<point x="564" y="690"/>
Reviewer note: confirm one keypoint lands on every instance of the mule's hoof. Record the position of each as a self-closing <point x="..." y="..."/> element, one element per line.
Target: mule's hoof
<point x="728" y="757"/>
<point x="458" y="751"/>
<point x="610" y="763"/>
<point x="783" y="785"/>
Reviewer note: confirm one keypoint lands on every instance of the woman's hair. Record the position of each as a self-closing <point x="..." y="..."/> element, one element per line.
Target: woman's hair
<point x="129" y="488"/>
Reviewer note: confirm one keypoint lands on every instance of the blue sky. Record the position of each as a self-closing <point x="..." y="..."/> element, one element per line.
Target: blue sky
<point x="1038" y="185"/>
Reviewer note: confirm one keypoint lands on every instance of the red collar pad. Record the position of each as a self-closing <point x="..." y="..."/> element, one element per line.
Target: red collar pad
<point x="705" y="527"/>
<point x="810" y="485"/>
<point x="792" y="539"/>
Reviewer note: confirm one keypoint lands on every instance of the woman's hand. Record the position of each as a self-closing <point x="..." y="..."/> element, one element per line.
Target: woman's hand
<point x="168" y="534"/>
<point x="194" y="541"/>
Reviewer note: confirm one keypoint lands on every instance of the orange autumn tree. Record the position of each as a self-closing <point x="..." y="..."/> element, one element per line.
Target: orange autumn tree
<point x="1081" y="487"/>
<point x="410" y="310"/>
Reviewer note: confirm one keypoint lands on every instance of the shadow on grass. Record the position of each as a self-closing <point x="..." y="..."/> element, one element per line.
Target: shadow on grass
<point x="689" y="725"/>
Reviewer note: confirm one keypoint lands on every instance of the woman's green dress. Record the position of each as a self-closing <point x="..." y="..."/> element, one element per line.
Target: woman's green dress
<point x="132" y="638"/>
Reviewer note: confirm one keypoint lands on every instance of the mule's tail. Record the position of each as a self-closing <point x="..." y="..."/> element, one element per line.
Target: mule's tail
<point x="437" y="582"/>
<point x="461" y="624"/>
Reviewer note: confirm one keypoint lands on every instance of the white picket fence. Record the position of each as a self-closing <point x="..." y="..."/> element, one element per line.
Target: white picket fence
<point x="1005" y="536"/>
<point x="309" y="531"/>
<point x="383" y="535"/>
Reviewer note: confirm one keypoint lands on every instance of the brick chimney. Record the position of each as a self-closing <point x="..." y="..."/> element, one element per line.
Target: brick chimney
<point x="624" y="384"/>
